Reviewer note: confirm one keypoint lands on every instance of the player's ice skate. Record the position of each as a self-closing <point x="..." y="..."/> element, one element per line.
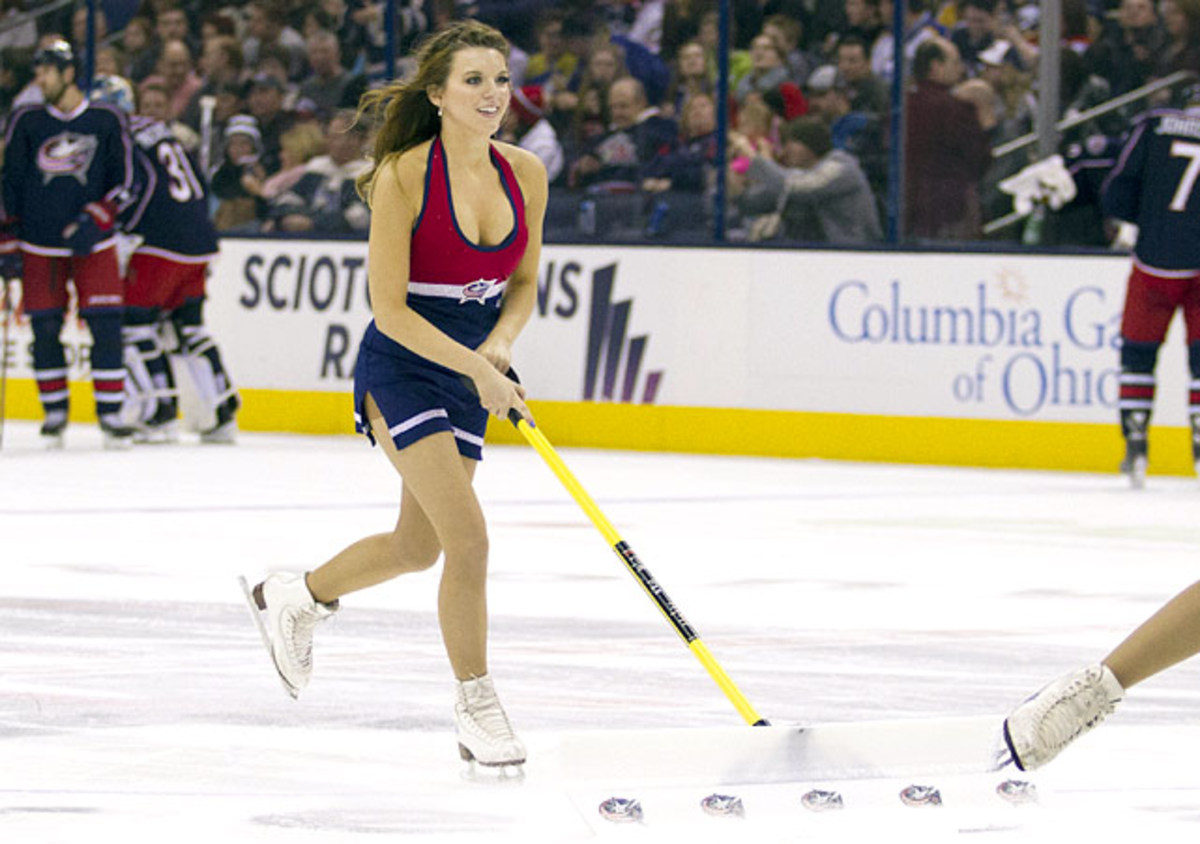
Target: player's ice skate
<point x="286" y="614"/>
<point x="484" y="734"/>
<point x="159" y="429"/>
<point x="1041" y="727"/>
<point x="1196" y="443"/>
<point x="54" y="430"/>
<point x="1134" y="464"/>
<point x="164" y="433"/>
<point x="113" y="435"/>
<point x="224" y="432"/>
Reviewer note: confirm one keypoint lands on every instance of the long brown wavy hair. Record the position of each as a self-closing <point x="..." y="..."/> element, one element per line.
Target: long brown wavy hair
<point x="402" y="110"/>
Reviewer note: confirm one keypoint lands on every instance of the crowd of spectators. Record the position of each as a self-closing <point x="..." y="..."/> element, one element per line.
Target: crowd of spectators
<point x="619" y="98"/>
<point x="262" y="93"/>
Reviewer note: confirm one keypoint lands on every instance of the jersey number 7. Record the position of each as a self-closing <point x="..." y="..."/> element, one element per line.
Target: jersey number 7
<point x="1190" y="151"/>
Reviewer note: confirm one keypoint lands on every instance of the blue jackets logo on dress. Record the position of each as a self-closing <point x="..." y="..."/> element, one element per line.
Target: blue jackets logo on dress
<point x="478" y="291"/>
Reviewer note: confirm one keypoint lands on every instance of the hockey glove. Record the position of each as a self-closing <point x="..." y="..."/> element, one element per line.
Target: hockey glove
<point x="10" y="249"/>
<point x="12" y="265"/>
<point x="94" y="223"/>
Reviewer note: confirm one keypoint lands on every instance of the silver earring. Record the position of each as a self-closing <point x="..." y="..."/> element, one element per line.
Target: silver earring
<point x="439" y="111"/>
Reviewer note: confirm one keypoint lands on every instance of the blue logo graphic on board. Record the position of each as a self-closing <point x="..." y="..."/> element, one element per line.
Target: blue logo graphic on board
<point x="613" y="370"/>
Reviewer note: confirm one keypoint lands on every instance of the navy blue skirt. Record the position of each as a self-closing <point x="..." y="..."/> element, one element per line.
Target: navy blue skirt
<point x="416" y="396"/>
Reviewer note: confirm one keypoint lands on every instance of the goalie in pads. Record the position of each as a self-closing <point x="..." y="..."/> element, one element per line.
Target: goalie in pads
<point x="166" y="281"/>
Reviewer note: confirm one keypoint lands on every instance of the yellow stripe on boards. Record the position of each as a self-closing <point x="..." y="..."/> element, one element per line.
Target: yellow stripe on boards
<point x="701" y="430"/>
<point x="845" y="436"/>
<point x="262" y="410"/>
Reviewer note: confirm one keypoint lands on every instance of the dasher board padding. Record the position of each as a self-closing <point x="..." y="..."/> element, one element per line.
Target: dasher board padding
<point x="733" y="755"/>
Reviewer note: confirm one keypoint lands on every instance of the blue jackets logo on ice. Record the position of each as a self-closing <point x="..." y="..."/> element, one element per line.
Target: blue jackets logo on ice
<point x="67" y="154"/>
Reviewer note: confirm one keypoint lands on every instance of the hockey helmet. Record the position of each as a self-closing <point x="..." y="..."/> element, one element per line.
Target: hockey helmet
<point x="57" y="53"/>
<point x="114" y="90"/>
<point x="1188" y="97"/>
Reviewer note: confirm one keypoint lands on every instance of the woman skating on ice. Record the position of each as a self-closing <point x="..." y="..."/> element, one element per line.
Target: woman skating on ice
<point x="455" y="238"/>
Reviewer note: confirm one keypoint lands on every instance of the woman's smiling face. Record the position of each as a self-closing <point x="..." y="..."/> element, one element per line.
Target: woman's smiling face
<point x="477" y="90"/>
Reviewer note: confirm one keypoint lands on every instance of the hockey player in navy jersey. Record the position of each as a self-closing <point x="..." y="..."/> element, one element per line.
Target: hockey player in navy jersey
<point x="166" y="278"/>
<point x="1154" y="185"/>
<point x="67" y="173"/>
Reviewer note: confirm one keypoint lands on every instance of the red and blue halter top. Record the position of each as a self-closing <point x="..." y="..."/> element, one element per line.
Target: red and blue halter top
<point x="455" y="283"/>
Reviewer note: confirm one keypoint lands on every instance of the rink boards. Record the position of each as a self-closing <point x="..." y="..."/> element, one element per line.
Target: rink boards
<point x="951" y="358"/>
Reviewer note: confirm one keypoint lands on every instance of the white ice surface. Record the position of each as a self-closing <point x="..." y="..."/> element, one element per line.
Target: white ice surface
<point x="137" y="704"/>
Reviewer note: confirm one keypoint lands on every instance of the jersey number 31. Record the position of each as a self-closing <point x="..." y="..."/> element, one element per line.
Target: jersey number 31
<point x="183" y="184"/>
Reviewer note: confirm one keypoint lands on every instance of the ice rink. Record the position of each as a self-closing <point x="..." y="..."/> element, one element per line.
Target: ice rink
<point x="137" y="703"/>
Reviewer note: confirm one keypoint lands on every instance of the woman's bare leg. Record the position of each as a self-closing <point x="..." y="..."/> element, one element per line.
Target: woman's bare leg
<point x="440" y="479"/>
<point x="1168" y="637"/>
<point x="439" y="513"/>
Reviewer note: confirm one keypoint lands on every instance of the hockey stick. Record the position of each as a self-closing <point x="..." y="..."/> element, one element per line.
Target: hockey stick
<point x="656" y="593"/>
<point x="5" y="315"/>
<point x="208" y="104"/>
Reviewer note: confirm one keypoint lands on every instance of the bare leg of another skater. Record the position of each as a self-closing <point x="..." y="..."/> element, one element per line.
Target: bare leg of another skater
<point x="1041" y="727"/>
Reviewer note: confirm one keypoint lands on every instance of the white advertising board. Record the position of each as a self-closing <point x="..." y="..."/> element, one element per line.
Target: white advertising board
<point x="923" y="334"/>
<point x="947" y="335"/>
<point x="288" y="314"/>
<point x="1002" y="336"/>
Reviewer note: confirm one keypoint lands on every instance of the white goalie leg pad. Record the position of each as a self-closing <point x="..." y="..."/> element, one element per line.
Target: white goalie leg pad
<point x="143" y="390"/>
<point x="199" y="353"/>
